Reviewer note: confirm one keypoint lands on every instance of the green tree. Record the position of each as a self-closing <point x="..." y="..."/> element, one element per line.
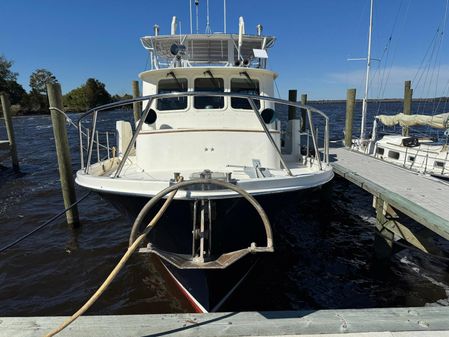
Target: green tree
<point x="89" y="95"/>
<point x="96" y="93"/>
<point x="8" y="81"/>
<point x="39" y="80"/>
<point x="5" y="70"/>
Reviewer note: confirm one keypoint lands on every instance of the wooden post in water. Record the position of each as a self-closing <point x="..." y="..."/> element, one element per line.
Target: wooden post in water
<point x="384" y="238"/>
<point x="137" y="106"/>
<point x="350" y="103"/>
<point x="6" y="106"/>
<point x="63" y="152"/>
<point x="303" y="113"/>
<point x="292" y="97"/>
<point x="407" y="110"/>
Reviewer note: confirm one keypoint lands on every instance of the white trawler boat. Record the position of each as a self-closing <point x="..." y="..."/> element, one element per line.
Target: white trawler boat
<point x="209" y="116"/>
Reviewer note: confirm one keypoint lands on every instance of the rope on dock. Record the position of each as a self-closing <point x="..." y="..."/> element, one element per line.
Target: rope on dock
<point x="46" y="223"/>
<point x="116" y="270"/>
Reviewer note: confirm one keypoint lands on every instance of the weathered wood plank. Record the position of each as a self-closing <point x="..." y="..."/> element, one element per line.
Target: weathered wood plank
<point x="421" y="198"/>
<point x="238" y="324"/>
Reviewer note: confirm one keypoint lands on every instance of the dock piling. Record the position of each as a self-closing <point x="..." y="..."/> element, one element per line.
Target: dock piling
<point x="137" y="106"/>
<point x="407" y="108"/>
<point x="292" y="97"/>
<point x="350" y="103"/>
<point x="6" y="106"/>
<point x="63" y="152"/>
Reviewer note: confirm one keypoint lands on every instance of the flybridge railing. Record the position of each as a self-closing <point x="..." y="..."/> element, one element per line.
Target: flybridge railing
<point x="318" y="152"/>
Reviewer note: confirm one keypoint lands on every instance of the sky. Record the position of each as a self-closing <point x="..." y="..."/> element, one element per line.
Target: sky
<point x="79" y="39"/>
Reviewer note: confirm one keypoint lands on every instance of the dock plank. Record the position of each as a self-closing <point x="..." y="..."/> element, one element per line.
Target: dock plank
<point x="420" y="197"/>
<point x="421" y="321"/>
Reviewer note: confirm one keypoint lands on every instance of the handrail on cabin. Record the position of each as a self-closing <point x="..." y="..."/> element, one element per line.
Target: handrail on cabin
<point x="250" y="99"/>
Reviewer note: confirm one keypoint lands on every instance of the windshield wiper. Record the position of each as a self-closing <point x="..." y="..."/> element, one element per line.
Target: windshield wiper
<point x="172" y="74"/>
<point x="250" y="80"/>
<point x="212" y="78"/>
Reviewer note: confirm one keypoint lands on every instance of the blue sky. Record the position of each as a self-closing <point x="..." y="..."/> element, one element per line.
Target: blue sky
<point x="85" y="38"/>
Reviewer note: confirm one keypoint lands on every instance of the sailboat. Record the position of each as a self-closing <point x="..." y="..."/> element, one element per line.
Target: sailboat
<point x="418" y="153"/>
<point x="210" y="132"/>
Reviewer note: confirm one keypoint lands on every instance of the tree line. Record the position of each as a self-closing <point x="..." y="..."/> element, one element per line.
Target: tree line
<point x="90" y="94"/>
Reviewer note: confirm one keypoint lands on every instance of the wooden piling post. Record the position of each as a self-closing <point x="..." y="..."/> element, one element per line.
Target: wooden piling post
<point x="292" y="97"/>
<point x="350" y="103"/>
<point x="384" y="238"/>
<point x="137" y="106"/>
<point x="63" y="152"/>
<point x="303" y="113"/>
<point x="407" y="108"/>
<point x="6" y="106"/>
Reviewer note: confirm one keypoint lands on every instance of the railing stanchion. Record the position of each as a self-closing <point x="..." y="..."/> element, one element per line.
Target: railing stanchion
<point x="262" y="123"/>
<point x="91" y="140"/>
<point x="133" y="139"/>
<point x="107" y="143"/>
<point x="80" y="132"/>
<point x="315" y="145"/>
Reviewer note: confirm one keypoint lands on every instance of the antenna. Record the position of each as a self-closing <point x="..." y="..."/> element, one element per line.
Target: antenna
<point x="197" y="3"/>
<point x="368" y="66"/>
<point x="224" y="16"/>
<point x="208" y="30"/>
<point x="191" y="25"/>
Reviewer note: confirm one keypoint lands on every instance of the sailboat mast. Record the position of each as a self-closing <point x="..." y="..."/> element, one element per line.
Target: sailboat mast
<point x="368" y="66"/>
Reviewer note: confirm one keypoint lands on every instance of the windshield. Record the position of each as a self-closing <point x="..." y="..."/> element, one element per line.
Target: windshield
<point x="169" y="86"/>
<point x="244" y="86"/>
<point x="209" y="84"/>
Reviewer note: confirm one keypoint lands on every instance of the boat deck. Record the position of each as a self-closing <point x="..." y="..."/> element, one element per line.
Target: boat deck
<point x="418" y="196"/>
<point x="422" y="321"/>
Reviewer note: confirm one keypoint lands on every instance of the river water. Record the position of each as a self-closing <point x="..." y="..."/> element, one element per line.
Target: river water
<point x="324" y="249"/>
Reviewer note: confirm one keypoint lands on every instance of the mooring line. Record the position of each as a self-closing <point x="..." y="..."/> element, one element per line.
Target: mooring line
<point x="46" y="223"/>
<point x="114" y="272"/>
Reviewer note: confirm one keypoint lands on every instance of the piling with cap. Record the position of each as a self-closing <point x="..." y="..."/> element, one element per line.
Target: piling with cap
<point x="292" y="97"/>
<point x="137" y="106"/>
<point x="407" y="108"/>
<point x="350" y="103"/>
<point x="6" y="106"/>
<point x="63" y="152"/>
<point x="303" y="113"/>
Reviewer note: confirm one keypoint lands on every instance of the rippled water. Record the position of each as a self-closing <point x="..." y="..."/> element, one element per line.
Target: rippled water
<point x="324" y="248"/>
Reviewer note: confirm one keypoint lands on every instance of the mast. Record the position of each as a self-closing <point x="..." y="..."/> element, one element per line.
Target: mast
<point x="368" y="66"/>
<point x="224" y="16"/>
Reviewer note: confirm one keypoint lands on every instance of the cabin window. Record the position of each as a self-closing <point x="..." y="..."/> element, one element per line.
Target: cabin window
<point x="380" y="150"/>
<point x="211" y="84"/>
<point x="438" y="164"/>
<point x="393" y="154"/>
<point x="244" y="86"/>
<point x="411" y="158"/>
<point x="168" y="86"/>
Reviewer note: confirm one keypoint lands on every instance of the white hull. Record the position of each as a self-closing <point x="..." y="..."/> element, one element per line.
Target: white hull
<point x="427" y="157"/>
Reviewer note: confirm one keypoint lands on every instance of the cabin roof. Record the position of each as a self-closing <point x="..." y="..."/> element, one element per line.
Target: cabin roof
<point x="207" y="48"/>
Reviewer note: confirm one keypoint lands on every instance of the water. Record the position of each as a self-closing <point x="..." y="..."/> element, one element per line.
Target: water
<point x="323" y="259"/>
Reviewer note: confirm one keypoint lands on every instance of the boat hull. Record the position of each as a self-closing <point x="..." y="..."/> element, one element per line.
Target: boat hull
<point x="235" y="226"/>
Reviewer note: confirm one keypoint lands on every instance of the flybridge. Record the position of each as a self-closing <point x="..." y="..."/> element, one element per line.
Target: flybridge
<point x="231" y="50"/>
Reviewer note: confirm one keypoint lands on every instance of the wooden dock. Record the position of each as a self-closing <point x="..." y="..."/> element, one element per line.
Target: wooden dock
<point x="421" y="198"/>
<point x="428" y="321"/>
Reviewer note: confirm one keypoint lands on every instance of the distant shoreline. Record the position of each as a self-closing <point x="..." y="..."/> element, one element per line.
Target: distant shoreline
<point x="384" y="100"/>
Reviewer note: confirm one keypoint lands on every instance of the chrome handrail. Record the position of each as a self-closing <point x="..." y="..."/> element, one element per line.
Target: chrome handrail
<point x="250" y="98"/>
